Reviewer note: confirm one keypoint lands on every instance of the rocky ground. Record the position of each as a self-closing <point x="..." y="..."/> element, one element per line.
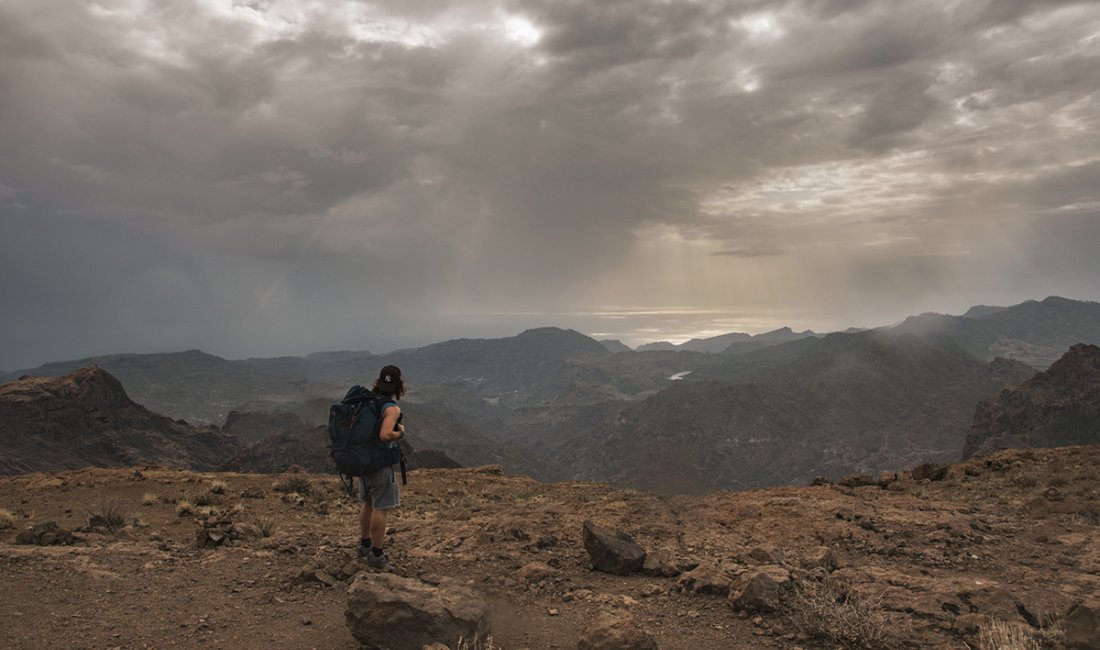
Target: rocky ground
<point x="163" y="558"/>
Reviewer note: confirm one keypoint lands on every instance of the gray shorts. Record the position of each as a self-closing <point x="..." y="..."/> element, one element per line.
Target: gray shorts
<point x="381" y="487"/>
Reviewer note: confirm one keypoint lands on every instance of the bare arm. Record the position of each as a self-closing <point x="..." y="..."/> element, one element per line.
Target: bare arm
<point x="390" y="429"/>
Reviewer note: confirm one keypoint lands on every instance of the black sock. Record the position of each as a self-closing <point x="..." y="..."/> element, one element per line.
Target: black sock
<point x="364" y="541"/>
<point x="377" y="551"/>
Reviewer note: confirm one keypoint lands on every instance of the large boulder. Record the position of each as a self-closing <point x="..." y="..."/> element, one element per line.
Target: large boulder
<point x="615" y="632"/>
<point x="1082" y="624"/>
<point x="389" y="612"/>
<point x="612" y="551"/>
<point x="760" y="589"/>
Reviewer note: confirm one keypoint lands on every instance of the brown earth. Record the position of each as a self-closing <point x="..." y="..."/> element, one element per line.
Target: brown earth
<point x="1013" y="536"/>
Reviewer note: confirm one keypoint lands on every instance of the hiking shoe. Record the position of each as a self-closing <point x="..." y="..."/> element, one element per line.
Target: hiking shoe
<point x="364" y="551"/>
<point x="380" y="562"/>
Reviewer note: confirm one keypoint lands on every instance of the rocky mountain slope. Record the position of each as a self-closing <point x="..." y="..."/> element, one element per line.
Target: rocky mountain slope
<point x="1035" y="332"/>
<point x="999" y="548"/>
<point x="191" y="385"/>
<point x="86" y="418"/>
<point x="1058" y="407"/>
<point x="556" y="404"/>
<point x="869" y="402"/>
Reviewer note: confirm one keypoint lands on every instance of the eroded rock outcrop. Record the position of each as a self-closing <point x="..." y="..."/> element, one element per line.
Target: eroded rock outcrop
<point x="1055" y="408"/>
<point x="86" y="418"/>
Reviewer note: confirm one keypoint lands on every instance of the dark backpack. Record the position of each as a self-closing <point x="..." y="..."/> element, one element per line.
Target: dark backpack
<point x="353" y="427"/>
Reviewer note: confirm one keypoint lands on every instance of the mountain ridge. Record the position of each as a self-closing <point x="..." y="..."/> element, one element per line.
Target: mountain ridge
<point x="86" y="418"/>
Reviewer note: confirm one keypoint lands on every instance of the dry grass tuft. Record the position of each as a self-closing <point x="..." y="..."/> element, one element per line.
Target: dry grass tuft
<point x="293" y="483"/>
<point x="7" y="519"/>
<point x="149" y="499"/>
<point x="1003" y="635"/>
<point x="217" y="487"/>
<point x="477" y="644"/>
<point x="824" y="611"/>
<point x="184" y="508"/>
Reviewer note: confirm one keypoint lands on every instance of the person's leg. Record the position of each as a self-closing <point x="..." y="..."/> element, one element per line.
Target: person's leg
<point x="378" y="529"/>
<point x="383" y="498"/>
<point x="366" y="514"/>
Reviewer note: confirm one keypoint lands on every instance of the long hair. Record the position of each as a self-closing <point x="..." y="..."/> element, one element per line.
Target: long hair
<point x="390" y="383"/>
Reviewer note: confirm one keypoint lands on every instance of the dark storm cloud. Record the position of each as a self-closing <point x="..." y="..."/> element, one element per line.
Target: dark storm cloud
<point x="225" y="174"/>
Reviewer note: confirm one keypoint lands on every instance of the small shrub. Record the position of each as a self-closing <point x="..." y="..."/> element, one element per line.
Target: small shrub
<point x="7" y="519"/>
<point x="824" y="611"/>
<point x="217" y="487"/>
<point x="237" y="509"/>
<point x="204" y="499"/>
<point x="107" y="516"/>
<point x="293" y="483"/>
<point x="184" y="508"/>
<point x="252" y="493"/>
<point x="149" y="499"/>
<point x="265" y="524"/>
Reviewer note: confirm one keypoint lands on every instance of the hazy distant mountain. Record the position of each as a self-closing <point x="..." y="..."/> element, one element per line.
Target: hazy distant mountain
<point x="554" y="403"/>
<point x="845" y="403"/>
<point x="1035" y="332"/>
<point x="783" y="335"/>
<point x="978" y="311"/>
<point x="735" y="342"/>
<point x="85" y="418"/>
<point x="615" y="345"/>
<point x="1057" y="407"/>
<point x="714" y="344"/>
<point x="656" y="346"/>
<point x="191" y="385"/>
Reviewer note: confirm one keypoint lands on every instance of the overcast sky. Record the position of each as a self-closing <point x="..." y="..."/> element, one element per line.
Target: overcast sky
<point x="277" y="177"/>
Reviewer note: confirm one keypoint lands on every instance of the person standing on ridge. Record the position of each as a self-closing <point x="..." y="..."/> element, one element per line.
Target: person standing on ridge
<point x="378" y="491"/>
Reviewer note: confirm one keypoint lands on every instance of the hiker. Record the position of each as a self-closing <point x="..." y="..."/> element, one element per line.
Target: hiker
<point x="378" y="491"/>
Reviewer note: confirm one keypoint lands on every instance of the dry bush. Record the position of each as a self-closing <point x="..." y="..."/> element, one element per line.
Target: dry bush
<point x="184" y="508"/>
<point x="7" y="519"/>
<point x="252" y="493"/>
<point x="149" y="499"/>
<point x="205" y="499"/>
<point x="108" y="516"/>
<point x="825" y="611"/>
<point x="265" y="524"/>
<point x="293" y="483"/>
<point x="217" y="487"/>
